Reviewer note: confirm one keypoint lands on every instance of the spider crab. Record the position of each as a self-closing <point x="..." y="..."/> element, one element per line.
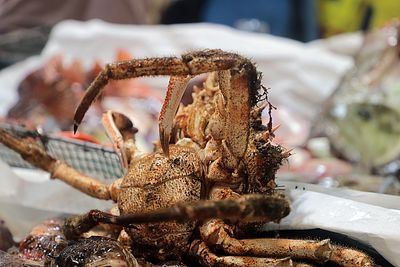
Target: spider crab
<point x="211" y="178"/>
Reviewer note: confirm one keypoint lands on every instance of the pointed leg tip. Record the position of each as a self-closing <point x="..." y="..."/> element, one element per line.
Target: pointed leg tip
<point x="274" y="129"/>
<point x="165" y="148"/>
<point x="166" y="152"/>
<point x="75" y="127"/>
<point x="164" y="141"/>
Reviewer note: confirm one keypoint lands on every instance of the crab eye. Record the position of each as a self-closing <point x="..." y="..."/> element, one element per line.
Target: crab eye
<point x="364" y="114"/>
<point x="176" y="161"/>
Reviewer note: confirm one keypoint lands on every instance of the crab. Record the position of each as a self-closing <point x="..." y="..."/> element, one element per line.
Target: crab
<point x="211" y="178"/>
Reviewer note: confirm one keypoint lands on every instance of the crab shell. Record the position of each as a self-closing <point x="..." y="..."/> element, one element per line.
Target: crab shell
<point x="153" y="182"/>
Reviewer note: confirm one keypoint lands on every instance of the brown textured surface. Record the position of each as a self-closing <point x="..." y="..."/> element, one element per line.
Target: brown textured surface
<point x="155" y="182"/>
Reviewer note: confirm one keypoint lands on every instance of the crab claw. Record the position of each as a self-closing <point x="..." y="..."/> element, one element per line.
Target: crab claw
<point x="176" y="88"/>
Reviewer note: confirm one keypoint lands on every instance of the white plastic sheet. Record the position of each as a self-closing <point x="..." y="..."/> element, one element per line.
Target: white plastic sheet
<point x="368" y="217"/>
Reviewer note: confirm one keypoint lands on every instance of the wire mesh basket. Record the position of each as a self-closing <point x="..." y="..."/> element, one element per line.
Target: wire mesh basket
<point x="91" y="159"/>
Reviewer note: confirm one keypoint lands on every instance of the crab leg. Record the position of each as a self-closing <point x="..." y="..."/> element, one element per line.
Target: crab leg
<point x="200" y="250"/>
<point x="217" y="234"/>
<point x="350" y="257"/>
<point x="38" y="157"/>
<point x="239" y="82"/>
<point x="247" y="208"/>
<point x="176" y="88"/>
<point x="237" y="99"/>
<point x="190" y="64"/>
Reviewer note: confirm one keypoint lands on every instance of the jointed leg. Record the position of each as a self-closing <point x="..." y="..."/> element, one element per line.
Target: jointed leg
<point x="189" y="64"/>
<point x="75" y="226"/>
<point x="200" y="250"/>
<point x="246" y="208"/>
<point x="217" y="234"/>
<point x="38" y="157"/>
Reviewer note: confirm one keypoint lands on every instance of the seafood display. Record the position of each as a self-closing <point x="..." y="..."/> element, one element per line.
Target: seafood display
<point x="209" y="182"/>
